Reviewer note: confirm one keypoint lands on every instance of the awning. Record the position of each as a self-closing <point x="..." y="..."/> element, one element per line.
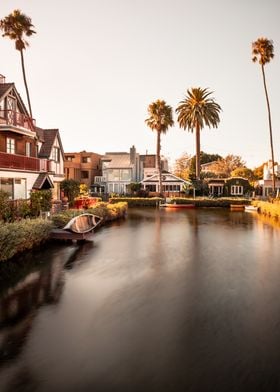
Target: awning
<point x="43" y="181"/>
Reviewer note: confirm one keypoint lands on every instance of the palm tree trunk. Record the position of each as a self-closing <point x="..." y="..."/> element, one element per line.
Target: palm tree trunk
<point x="158" y="162"/>
<point x="197" y="160"/>
<point x="270" y="130"/>
<point x="25" y="83"/>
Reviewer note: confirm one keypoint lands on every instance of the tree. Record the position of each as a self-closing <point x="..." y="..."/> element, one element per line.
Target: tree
<point x="71" y="189"/>
<point x="16" y="26"/>
<point x="226" y="165"/>
<point x="182" y="166"/>
<point x="258" y="172"/>
<point x="204" y="158"/>
<point x="263" y="52"/>
<point x="243" y="172"/>
<point x="196" y="111"/>
<point x="160" y="119"/>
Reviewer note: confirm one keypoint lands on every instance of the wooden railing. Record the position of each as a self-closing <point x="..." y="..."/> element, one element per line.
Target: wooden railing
<point x="21" y="162"/>
<point x="10" y="117"/>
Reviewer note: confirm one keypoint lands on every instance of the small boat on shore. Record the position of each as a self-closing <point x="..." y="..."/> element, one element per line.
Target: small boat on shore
<point x="170" y="205"/>
<point x="251" y="208"/>
<point x="237" y="207"/>
<point x="83" y="223"/>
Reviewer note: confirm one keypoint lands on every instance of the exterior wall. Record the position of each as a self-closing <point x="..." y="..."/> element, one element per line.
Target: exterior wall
<point x="77" y="168"/>
<point x="20" y="143"/>
<point x="30" y="178"/>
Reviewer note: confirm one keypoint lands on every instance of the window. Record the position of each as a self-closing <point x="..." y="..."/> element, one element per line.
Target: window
<point x="69" y="158"/>
<point x="236" y="190"/>
<point x="126" y="175"/>
<point x="56" y="154"/>
<point x="84" y="174"/>
<point x="10" y="145"/>
<point x="27" y="149"/>
<point x="85" y="159"/>
<point x="15" y="187"/>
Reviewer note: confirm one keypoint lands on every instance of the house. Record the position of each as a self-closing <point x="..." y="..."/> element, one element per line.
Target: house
<point x="232" y="186"/>
<point x="266" y="184"/>
<point x="82" y="167"/>
<point x="171" y="184"/>
<point x="31" y="158"/>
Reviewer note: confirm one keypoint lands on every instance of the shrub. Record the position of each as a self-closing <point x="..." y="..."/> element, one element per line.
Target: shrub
<point x="40" y="201"/>
<point x="137" y="201"/>
<point x="20" y="236"/>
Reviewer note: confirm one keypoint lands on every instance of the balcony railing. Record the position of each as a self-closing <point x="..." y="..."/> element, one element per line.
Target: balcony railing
<point x="21" y="162"/>
<point x="10" y="117"/>
<point x="99" y="179"/>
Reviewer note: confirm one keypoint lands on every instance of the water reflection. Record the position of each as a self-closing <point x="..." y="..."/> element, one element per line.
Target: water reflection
<point x="164" y="301"/>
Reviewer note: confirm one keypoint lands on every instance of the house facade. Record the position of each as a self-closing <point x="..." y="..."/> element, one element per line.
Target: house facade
<point x="266" y="184"/>
<point x="232" y="186"/>
<point x="82" y="167"/>
<point x="171" y="184"/>
<point x="30" y="157"/>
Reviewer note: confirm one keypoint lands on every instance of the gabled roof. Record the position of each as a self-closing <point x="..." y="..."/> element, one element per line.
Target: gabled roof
<point x="166" y="177"/>
<point x="43" y="181"/>
<point x="48" y="137"/>
<point x="6" y="88"/>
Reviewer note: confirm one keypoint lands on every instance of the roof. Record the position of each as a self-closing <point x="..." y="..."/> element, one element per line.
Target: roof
<point x="4" y="87"/>
<point x="43" y="181"/>
<point x="166" y="177"/>
<point x="120" y="160"/>
<point x="48" y="137"/>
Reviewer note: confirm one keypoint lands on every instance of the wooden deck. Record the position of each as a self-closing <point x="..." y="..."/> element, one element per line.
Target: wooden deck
<point x="60" y="234"/>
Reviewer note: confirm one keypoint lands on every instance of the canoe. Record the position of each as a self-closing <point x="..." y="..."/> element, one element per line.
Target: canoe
<point x="251" y="208"/>
<point x="237" y="207"/>
<point x="167" y="205"/>
<point x="83" y="223"/>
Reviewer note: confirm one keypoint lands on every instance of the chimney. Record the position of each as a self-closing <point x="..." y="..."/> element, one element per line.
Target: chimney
<point x="132" y="155"/>
<point x="2" y="79"/>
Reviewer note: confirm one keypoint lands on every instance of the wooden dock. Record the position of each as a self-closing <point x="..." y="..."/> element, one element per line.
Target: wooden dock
<point x="65" y="235"/>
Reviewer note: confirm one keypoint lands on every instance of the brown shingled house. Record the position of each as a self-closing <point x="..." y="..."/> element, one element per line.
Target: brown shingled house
<point x="30" y="157"/>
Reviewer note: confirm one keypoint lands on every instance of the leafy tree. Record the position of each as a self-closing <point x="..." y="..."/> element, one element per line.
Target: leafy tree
<point x="133" y="187"/>
<point x="258" y="172"/>
<point x="71" y="189"/>
<point x="244" y="172"/>
<point x="263" y="52"/>
<point x="182" y="166"/>
<point x="226" y="165"/>
<point x="196" y="111"/>
<point x="16" y="26"/>
<point x="204" y="158"/>
<point x="160" y="119"/>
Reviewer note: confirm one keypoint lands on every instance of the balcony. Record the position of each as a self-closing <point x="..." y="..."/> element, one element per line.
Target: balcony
<point x="9" y="119"/>
<point x="99" y="179"/>
<point x="21" y="162"/>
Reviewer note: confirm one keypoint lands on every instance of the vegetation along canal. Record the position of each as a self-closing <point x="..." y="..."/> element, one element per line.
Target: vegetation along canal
<point x="183" y="300"/>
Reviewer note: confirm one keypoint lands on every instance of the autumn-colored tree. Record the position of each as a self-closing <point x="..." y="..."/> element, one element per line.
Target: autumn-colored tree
<point x="16" y="26"/>
<point x="225" y="166"/>
<point x="182" y="166"/>
<point x="159" y="120"/>
<point x="195" y="112"/>
<point x="263" y="52"/>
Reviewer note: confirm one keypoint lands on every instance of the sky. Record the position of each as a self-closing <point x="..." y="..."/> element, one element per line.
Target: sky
<point x="94" y="67"/>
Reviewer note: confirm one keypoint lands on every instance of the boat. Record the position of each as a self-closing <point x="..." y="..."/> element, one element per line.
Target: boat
<point x="83" y="223"/>
<point x="170" y="205"/>
<point x="251" y="208"/>
<point x="237" y="207"/>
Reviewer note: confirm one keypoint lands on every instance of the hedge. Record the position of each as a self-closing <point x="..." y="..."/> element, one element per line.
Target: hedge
<point x="137" y="201"/>
<point x="21" y="236"/>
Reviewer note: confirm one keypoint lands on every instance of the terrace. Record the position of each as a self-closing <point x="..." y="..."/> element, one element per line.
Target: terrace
<point x="12" y="120"/>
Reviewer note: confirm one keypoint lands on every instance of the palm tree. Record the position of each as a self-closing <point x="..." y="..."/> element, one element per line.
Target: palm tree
<point x="196" y="111"/>
<point x="160" y="119"/>
<point x="262" y="51"/>
<point x="15" y="26"/>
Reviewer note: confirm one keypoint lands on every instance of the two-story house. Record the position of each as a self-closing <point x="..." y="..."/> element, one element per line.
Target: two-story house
<point x="30" y="157"/>
<point x="82" y="166"/>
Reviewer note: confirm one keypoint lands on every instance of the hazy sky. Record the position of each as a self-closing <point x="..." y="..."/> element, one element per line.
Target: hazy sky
<point x="94" y="66"/>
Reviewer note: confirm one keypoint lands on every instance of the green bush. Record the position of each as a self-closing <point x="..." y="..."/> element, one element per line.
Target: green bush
<point x="21" y="236"/>
<point x="137" y="201"/>
<point x="40" y="201"/>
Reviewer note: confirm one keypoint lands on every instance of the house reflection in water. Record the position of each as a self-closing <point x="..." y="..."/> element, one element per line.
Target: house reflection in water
<point x="19" y="304"/>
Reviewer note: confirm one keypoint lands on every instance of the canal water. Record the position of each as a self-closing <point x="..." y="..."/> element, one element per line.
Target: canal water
<point x="161" y="301"/>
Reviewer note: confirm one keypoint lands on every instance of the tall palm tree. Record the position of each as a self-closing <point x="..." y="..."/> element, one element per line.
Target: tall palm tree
<point x="262" y="51"/>
<point x="160" y="119"/>
<point x="16" y="26"/>
<point x="196" y="111"/>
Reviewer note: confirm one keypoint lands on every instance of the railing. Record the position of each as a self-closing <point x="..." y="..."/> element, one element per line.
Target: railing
<point x="10" y="117"/>
<point x="21" y="162"/>
<point x="99" y="179"/>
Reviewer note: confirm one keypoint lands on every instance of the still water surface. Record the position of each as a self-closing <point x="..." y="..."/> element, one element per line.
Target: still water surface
<point x="163" y="301"/>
